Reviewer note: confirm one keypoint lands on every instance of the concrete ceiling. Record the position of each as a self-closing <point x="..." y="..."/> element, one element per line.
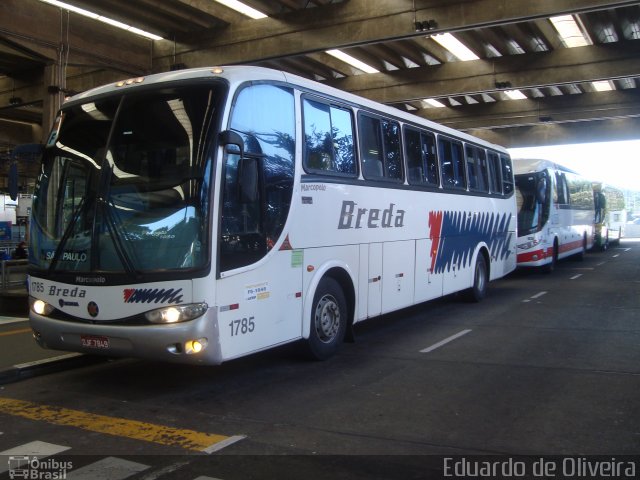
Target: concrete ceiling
<point x="46" y="51"/>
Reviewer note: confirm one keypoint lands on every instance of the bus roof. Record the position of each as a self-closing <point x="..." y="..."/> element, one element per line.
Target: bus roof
<point x="532" y="165"/>
<point x="236" y="75"/>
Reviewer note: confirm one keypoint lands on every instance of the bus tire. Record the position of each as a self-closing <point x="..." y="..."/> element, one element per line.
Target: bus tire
<point x="328" y="320"/>
<point x="551" y="266"/>
<point x="580" y="255"/>
<point x="480" y="280"/>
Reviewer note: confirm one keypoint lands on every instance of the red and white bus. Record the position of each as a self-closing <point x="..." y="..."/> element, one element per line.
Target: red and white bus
<point x="555" y="213"/>
<point x="201" y="215"/>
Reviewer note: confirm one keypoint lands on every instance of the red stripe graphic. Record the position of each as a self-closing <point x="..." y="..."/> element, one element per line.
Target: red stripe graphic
<point x="435" y="227"/>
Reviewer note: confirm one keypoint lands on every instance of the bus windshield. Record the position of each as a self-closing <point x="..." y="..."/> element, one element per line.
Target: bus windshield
<point x="125" y="184"/>
<point x="531" y="194"/>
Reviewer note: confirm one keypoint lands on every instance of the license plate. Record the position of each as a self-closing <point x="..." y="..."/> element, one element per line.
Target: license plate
<point x="91" y="341"/>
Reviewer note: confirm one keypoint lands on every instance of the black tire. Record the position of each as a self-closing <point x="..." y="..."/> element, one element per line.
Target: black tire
<point x="480" y="280"/>
<point x="328" y="320"/>
<point x="580" y="255"/>
<point x="551" y="266"/>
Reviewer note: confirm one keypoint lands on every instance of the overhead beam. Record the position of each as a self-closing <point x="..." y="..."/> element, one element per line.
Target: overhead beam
<point x="563" y="66"/>
<point x="63" y="37"/>
<point x="609" y="130"/>
<point x="560" y="109"/>
<point x="357" y="22"/>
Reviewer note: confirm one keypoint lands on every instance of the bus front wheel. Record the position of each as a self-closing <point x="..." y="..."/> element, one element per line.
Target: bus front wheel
<point x="328" y="320"/>
<point x="551" y="266"/>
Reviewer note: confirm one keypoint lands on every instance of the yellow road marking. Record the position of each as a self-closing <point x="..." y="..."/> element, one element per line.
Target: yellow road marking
<point x="15" y="332"/>
<point x="149" y="432"/>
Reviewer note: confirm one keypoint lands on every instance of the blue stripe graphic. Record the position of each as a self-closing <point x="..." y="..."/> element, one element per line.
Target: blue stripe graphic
<point x="461" y="232"/>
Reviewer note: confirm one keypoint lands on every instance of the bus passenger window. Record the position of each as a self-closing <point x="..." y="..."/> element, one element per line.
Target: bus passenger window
<point x="507" y="175"/>
<point x="421" y="157"/>
<point x="380" y="149"/>
<point x="451" y="163"/>
<point x="393" y="157"/>
<point x="328" y="134"/>
<point x="477" y="169"/>
<point x="495" y="169"/>
<point x="562" y="190"/>
<point x="371" y="148"/>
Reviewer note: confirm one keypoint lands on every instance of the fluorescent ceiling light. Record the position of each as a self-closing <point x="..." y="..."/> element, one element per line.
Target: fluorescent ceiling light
<point x="455" y="46"/>
<point x="602" y="86"/>
<point x="572" y="36"/>
<point x="515" y="94"/>
<point x="354" y="62"/>
<point x="569" y="31"/>
<point x="243" y="8"/>
<point x="433" y="102"/>
<point x="462" y="52"/>
<point x="100" y="18"/>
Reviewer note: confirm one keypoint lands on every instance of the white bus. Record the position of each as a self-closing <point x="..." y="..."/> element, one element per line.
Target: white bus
<point x="611" y="216"/>
<point x="555" y="213"/>
<point x="202" y="215"/>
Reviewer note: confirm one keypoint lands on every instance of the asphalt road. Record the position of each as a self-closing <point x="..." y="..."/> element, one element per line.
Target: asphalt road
<point x="546" y="365"/>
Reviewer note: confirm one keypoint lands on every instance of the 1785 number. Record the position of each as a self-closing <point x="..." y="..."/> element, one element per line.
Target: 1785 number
<point x="242" y="327"/>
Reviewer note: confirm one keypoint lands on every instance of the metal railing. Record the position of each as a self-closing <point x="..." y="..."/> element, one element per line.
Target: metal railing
<point x="14" y="273"/>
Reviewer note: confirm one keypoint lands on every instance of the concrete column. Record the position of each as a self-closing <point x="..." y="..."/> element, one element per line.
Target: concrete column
<point x="52" y="97"/>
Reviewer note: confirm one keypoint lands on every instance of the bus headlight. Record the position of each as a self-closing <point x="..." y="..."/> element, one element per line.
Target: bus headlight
<point x="176" y="313"/>
<point x="40" y="307"/>
<point x="529" y="244"/>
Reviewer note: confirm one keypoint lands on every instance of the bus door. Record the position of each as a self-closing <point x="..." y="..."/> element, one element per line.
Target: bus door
<point x="398" y="274"/>
<point x="370" y="281"/>
<point x="428" y="282"/>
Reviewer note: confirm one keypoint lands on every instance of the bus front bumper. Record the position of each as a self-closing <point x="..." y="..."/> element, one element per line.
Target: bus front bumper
<point x="535" y="258"/>
<point x="169" y="342"/>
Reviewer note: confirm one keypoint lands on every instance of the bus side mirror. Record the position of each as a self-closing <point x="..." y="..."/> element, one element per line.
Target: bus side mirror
<point x="541" y="191"/>
<point x="248" y="180"/>
<point x="230" y="139"/>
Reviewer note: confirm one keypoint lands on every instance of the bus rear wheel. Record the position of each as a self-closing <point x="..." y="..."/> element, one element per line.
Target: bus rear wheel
<point x="328" y="320"/>
<point x="480" y="280"/>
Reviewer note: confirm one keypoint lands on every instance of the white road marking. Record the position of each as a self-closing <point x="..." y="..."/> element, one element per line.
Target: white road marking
<point x="538" y="295"/>
<point x="110" y="468"/>
<point x="224" y="443"/>
<point x="36" y="448"/>
<point x="7" y="320"/>
<point x="444" y="342"/>
<point x="576" y="276"/>
<point x="48" y="360"/>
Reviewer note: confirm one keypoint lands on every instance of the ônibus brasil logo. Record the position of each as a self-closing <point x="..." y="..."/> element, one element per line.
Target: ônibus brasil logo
<point x="24" y="466"/>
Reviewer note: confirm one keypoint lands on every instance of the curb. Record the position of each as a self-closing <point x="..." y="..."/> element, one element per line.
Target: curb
<point x="49" y="365"/>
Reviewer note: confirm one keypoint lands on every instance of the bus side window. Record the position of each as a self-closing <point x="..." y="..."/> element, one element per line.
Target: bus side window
<point x="451" y="163"/>
<point x="328" y="134"/>
<point x="495" y="169"/>
<point x="562" y="191"/>
<point x="371" y="148"/>
<point x="264" y="116"/>
<point x="422" y="165"/>
<point x="477" y="169"/>
<point x="380" y="148"/>
<point x="507" y="175"/>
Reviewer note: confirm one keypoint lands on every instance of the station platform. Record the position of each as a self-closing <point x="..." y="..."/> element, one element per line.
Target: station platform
<point x="20" y="356"/>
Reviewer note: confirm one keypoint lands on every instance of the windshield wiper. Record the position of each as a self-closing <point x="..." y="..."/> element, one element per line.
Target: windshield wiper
<point x="67" y="233"/>
<point x="112" y="226"/>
